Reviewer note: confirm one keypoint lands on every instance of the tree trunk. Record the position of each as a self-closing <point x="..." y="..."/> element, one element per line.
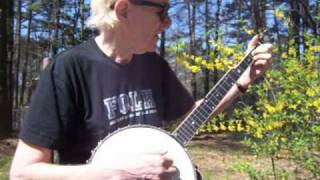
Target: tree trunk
<point x="317" y="14"/>
<point x="258" y="9"/>
<point x="82" y="25"/>
<point x="55" y="34"/>
<point x="216" y="38"/>
<point x="308" y="20"/>
<point x="276" y="28"/>
<point x="192" y="25"/>
<point x="295" y="24"/>
<point x="163" y="44"/>
<point x="6" y="8"/>
<point x="26" y="61"/>
<point x="18" y="52"/>
<point x="208" y="48"/>
<point x="10" y="43"/>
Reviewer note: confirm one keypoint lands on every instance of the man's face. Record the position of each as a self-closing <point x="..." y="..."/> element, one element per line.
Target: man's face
<point x="148" y="18"/>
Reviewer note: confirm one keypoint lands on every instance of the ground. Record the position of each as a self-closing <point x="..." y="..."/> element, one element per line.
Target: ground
<point x="7" y="146"/>
<point x="218" y="156"/>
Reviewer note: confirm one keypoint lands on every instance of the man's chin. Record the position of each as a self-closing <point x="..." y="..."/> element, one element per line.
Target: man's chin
<point x="152" y="49"/>
<point x="146" y="50"/>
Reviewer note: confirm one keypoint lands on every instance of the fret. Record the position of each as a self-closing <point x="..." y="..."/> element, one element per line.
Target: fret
<point x="238" y="71"/>
<point x="246" y="62"/>
<point x="226" y="85"/>
<point x="217" y="96"/>
<point x="205" y="107"/>
<point x="228" y="80"/>
<point x="187" y="132"/>
<point x="188" y="128"/>
<point x="191" y="126"/>
<point x="242" y="67"/>
<point x="230" y="77"/>
<point x="195" y="124"/>
<point x="234" y="75"/>
<point x="182" y="136"/>
<point x="222" y="88"/>
<point x="204" y="112"/>
<point x="198" y="111"/>
<point x="179" y="139"/>
<point x="248" y="59"/>
<point x="209" y="102"/>
<point x="194" y="120"/>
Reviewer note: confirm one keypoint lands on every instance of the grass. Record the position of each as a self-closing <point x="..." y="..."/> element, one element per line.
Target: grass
<point x="221" y="157"/>
<point x="5" y="162"/>
<point x="224" y="157"/>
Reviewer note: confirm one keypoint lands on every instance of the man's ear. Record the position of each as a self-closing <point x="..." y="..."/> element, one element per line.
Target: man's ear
<point x="121" y="9"/>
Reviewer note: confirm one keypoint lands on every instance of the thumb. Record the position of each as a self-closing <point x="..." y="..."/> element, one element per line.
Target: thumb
<point x="253" y="42"/>
<point x="156" y="151"/>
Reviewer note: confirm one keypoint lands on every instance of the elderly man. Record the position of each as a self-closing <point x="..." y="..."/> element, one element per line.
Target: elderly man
<point x="107" y="83"/>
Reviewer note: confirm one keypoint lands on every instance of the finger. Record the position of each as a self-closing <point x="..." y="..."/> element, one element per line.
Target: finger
<point x="253" y="42"/>
<point x="263" y="49"/>
<point x="167" y="163"/>
<point x="262" y="63"/>
<point x="262" y="56"/>
<point x="156" y="151"/>
<point x="170" y="174"/>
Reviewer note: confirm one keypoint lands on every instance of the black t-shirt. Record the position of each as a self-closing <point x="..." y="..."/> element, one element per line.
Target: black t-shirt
<point x="84" y="95"/>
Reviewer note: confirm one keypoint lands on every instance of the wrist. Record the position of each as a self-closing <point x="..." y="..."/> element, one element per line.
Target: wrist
<point x="241" y="88"/>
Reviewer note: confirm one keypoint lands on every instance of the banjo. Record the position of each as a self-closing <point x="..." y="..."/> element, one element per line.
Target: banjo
<point x="139" y="138"/>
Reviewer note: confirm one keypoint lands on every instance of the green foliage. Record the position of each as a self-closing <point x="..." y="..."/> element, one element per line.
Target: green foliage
<point x="253" y="173"/>
<point x="285" y="117"/>
<point x="248" y="169"/>
<point x="5" y="162"/>
<point x="35" y="6"/>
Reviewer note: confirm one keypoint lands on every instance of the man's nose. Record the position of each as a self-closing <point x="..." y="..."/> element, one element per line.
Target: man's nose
<point x="165" y="24"/>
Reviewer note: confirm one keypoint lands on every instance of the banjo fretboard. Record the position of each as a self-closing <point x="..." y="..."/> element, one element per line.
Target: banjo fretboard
<point x="202" y="113"/>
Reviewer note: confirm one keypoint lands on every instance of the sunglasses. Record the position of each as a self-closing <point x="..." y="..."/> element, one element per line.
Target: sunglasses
<point x="163" y="14"/>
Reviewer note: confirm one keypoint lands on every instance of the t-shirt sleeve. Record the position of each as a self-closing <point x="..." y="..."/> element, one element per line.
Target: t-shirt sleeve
<point x="177" y="100"/>
<point x="43" y="123"/>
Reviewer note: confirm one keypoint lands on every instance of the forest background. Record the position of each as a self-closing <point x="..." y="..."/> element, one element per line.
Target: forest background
<point x="278" y="116"/>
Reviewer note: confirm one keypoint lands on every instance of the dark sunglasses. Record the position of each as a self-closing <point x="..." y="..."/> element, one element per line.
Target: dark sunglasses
<point x="163" y="14"/>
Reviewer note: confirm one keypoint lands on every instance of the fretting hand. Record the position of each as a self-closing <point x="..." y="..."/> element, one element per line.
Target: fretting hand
<point x="262" y="60"/>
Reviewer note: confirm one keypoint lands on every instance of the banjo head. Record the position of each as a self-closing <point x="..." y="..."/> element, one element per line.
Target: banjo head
<point x="140" y="139"/>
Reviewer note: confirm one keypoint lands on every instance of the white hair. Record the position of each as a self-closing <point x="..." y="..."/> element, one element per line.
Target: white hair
<point x="102" y="16"/>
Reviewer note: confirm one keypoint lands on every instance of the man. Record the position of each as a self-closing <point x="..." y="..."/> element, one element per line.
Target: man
<point x="104" y="84"/>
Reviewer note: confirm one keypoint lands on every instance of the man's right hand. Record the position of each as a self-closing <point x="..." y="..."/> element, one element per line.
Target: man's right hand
<point x="151" y="166"/>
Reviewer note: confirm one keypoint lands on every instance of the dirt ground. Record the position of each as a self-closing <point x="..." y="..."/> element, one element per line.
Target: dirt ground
<point x="215" y="155"/>
<point x="8" y="146"/>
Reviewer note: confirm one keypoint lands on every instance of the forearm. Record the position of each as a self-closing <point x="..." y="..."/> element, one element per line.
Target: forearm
<point x="227" y="100"/>
<point x="42" y="171"/>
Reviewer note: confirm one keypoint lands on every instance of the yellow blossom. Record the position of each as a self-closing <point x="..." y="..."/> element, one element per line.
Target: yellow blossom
<point x="219" y="66"/>
<point x="316" y="104"/>
<point x="284" y="55"/>
<point x="311" y="92"/>
<point x="198" y="59"/>
<point x="215" y="128"/>
<point x="293" y="106"/>
<point x="249" y="31"/>
<point x="258" y="134"/>
<point x="277" y="124"/>
<point x="231" y="128"/>
<point x="223" y="127"/>
<point x="195" y="69"/>
<point x="279" y="15"/>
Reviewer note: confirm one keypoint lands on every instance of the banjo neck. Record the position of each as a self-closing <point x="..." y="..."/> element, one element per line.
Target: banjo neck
<point x="203" y="112"/>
